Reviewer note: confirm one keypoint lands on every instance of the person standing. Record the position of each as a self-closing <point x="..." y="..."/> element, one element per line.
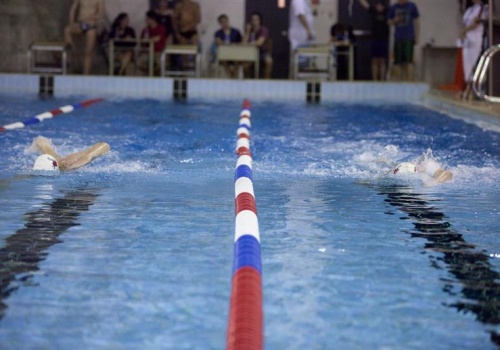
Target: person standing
<point x="404" y="16"/>
<point x="187" y="16"/>
<point x="164" y="14"/>
<point x="379" y="37"/>
<point x="471" y="38"/>
<point x="84" y="16"/>
<point x="301" y="29"/>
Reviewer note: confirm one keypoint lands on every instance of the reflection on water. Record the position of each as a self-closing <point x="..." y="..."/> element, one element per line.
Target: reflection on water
<point x="479" y="282"/>
<point x="23" y="250"/>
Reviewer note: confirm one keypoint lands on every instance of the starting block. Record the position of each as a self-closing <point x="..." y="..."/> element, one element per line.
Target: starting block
<point x="38" y="49"/>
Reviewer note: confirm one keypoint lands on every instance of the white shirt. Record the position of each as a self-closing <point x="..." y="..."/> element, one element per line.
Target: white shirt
<point x="472" y="14"/>
<point x="297" y="33"/>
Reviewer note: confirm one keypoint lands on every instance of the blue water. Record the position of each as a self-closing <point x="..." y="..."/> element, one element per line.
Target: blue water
<point x="135" y="250"/>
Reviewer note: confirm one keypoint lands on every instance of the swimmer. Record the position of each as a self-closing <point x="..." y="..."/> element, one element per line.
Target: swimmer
<point x="50" y="160"/>
<point x="432" y="169"/>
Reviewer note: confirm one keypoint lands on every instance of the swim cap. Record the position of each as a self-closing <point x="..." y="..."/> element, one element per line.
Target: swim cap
<point x="46" y="162"/>
<point x="405" y="168"/>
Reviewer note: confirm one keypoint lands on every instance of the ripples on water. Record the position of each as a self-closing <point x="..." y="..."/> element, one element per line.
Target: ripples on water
<point x="136" y="248"/>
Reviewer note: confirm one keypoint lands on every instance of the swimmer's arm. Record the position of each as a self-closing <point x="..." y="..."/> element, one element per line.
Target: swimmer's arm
<point x="72" y="11"/>
<point x="79" y="159"/>
<point x="365" y="4"/>
<point x="44" y="146"/>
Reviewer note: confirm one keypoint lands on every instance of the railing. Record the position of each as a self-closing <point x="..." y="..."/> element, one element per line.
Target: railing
<point x="479" y="76"/>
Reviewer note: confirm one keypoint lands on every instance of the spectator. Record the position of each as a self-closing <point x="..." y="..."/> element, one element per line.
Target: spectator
<point x="471" y="38"/>
<point x="121" y="31"/>
<point x="164" y="14"/>
<point x="379" y="37"/>
<point x="404" y="17"/>
<point x="90" y="12"/>
<point x="258" y="35"/>
<point x="187" y="16"/>
<point x="342" y="35"/>
<point x="155" y="32"/>
<point x="227" y="35"/>
<point x="301" y="30"/>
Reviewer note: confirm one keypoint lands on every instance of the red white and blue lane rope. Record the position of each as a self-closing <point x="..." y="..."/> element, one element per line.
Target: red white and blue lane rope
<point x="49" y="114"/>
<point x="245" y="328"/>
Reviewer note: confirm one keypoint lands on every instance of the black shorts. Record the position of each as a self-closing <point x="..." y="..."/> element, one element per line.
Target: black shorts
<point x="403" y="51"/>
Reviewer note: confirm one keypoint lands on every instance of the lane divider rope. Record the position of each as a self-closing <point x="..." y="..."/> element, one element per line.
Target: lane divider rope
<point x="49" y="114"/>
<point x="245" y="326"/>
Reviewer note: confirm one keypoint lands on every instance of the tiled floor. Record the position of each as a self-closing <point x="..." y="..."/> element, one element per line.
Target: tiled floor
<point x="475" y="105"/>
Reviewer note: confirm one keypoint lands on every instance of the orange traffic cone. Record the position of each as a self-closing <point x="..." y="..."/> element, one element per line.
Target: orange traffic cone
<point x="459" y="80"/>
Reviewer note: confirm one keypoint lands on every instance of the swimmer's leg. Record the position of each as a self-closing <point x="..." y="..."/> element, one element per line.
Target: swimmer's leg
<point x="79" y="159"/>
<point x="443" y="175"/>
<point x="43" y="145"/>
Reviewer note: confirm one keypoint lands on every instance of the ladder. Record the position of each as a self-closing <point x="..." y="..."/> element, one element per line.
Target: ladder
<point x="480" y="74"/>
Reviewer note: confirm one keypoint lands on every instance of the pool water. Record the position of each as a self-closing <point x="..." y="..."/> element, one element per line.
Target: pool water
<point x="135" y="250"/>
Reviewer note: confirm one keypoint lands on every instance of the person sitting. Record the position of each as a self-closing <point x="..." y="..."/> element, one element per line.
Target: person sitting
<point x="50" y="160"/>
<point x="224" y="36"/>
<point x="121" y="31"/>
<point x="90" y="12"/>
<point x="155" y="32"/>
<point x="258" y="35"/>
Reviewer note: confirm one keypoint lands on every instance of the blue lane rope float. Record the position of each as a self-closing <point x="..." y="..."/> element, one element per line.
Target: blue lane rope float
<point x="49" y="114"/>
<point x="245" y="326"/>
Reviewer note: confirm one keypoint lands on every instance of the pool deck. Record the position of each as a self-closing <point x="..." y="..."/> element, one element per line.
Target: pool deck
<point x="450" y="97"/>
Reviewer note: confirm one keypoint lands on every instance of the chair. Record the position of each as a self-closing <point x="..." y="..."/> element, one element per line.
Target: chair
<point x="191" y="50"/>
<point x="238" y="53"/>
<point x="313" y="52"/>
<point x="53" y="66"/>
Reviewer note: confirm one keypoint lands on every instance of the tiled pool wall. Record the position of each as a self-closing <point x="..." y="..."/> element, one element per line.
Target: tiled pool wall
<point x="286" y="90"/>
<point x="136" y="87"/>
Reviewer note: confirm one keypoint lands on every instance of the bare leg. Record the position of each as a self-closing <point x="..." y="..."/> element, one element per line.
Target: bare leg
<point x="79" y="159"/>
<point x="268" y="67"/>
<point x="382" y="68"/>
<point x="91" y="38"/>
<point x="125" y="59"/>
<point x="410" y="72"/>
<point x="396" y="72"/>
<point x="374" y="66"/>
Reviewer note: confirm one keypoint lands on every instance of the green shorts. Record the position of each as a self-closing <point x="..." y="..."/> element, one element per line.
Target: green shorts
<point x="403" y="51"/>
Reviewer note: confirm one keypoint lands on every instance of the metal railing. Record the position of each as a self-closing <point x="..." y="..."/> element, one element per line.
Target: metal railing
<point x="479" y="76"/>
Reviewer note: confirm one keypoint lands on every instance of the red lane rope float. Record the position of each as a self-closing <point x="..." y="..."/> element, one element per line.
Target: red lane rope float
<point x="49" y="114"/>
<point x="245" y="326"/>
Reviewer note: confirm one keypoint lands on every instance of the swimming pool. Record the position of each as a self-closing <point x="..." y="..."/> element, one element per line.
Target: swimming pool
<point x="135" y="250"/>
